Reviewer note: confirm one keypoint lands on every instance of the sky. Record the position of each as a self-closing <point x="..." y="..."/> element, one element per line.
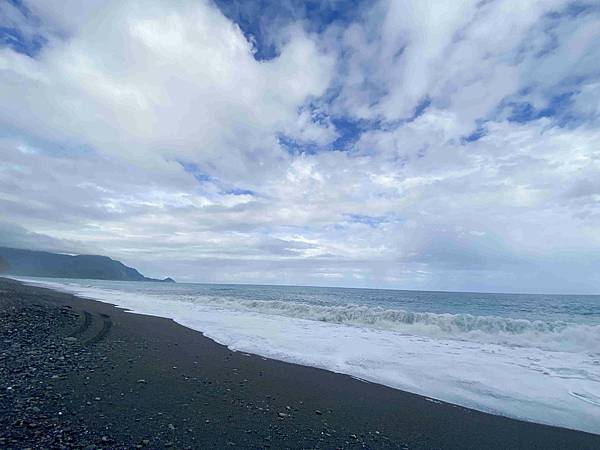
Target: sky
<point x="448" y="145"/>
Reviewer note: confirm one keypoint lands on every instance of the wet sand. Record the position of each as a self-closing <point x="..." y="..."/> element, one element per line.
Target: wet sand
<point x="78" y="373"/>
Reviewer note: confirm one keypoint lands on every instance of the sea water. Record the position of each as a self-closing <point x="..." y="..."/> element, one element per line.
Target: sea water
<point x="531" y="357"/>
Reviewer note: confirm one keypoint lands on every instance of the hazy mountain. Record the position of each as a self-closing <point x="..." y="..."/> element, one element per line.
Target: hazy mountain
<point x="34" y="263"/>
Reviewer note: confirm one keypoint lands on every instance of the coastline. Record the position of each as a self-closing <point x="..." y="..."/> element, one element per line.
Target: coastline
<point x="161" y="385"/>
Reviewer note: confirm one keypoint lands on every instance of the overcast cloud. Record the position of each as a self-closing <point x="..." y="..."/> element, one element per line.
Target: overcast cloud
<point x="404" y="144"/>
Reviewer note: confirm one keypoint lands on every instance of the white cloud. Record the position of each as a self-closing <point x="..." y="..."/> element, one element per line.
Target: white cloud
<point x="154" y="80"/>
<point x="149" y="131"/>
<point x="464" y="56"/>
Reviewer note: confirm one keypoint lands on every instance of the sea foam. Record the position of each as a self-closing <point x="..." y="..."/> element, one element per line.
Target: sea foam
<point x="549" y="335"/>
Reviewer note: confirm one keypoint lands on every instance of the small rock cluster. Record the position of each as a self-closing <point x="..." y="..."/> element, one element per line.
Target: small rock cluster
<point x="34" y="359"/>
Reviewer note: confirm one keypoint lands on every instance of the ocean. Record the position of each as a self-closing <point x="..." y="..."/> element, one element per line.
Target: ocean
<point x="531" y="357"/>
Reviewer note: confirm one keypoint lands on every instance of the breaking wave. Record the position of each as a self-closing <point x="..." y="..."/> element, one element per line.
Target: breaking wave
<point x="547" y="335"/>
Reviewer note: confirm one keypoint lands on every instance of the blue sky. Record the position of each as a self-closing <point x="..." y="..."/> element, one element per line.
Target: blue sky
<point x="447" y="145"/>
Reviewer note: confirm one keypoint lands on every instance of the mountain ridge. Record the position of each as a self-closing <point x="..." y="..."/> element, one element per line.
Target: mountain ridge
<point x="40" y="263"/>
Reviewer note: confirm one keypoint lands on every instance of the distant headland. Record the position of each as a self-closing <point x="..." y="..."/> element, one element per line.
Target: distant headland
<point x="34" y="263"/>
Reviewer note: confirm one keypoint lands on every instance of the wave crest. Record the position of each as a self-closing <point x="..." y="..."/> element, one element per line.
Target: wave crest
<point x="547" y="335"/>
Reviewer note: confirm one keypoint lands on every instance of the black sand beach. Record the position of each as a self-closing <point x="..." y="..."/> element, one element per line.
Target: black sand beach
<point x="77" y="373"/>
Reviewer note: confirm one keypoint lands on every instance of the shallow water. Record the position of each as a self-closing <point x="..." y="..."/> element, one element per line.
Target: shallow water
<point x="533" y="357"/>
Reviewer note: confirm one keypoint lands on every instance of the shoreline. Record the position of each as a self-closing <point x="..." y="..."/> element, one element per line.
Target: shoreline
<point x="163" y="385"/>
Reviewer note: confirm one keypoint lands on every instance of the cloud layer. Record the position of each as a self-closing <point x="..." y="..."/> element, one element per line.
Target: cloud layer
<point x="406" y="146"/>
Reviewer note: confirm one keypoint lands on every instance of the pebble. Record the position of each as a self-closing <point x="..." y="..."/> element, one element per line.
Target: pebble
<point x="33" y="414"/>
